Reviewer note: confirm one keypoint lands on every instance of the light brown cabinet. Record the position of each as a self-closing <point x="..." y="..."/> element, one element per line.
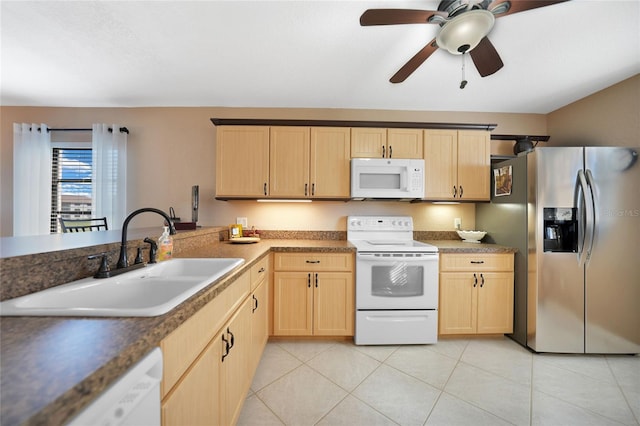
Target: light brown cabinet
<point x="259" y="310"/>
<point x="242" y="161"/>
<point x="309" y="162"/>
<point x="235" y="361"/>
<point x="386" y="143"/>
<point x="209" y="361"/>
<point x="457" y="165"/>
<point x="313" y="294"/>
<point x="476" y="293"/>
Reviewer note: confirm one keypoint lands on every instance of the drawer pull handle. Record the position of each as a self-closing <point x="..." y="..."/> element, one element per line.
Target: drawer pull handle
<point x="482" y="282"/>
<point x="313" y="261"/>
<point x="309" y="280"/>
<point x="261" y="270"/>
<point x="316" y="280"/>
<point x="475" y="280"/>
<point x="478" y="262"/>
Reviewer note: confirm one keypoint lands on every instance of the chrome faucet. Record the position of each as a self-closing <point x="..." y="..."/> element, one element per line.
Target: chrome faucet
<point x="122" y="260"/>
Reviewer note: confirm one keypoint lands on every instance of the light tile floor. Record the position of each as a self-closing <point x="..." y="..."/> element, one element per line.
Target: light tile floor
<point x="484" y="381"/>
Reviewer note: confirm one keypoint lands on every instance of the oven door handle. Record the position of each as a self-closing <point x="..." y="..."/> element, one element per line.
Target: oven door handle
<point x="371" y="257"/>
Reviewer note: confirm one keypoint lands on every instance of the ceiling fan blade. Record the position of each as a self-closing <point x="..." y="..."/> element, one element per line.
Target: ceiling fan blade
<point x="486" y="58"/>
<point x="516" y="6"/>
<point x="414" y="62"/>
<point x="397" y="16"/>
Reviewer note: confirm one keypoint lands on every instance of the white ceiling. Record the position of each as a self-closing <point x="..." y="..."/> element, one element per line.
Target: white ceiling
<point x="302" y="54"/>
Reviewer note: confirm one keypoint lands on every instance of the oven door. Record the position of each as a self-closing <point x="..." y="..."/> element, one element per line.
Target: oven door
<point x="396" y="280"/>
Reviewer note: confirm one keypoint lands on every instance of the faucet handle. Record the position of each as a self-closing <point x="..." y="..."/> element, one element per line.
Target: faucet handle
<point x="153" y="250"/>
<point x="104" y="271"/>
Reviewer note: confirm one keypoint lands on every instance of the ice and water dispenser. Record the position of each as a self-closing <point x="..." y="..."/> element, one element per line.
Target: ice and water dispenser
<point x="560" y="229"/>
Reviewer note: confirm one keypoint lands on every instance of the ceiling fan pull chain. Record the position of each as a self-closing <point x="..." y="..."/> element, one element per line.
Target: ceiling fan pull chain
<point x="463" y="82"/>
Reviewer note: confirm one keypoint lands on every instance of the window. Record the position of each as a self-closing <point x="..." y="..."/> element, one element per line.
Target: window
<point x="71" y="184"/>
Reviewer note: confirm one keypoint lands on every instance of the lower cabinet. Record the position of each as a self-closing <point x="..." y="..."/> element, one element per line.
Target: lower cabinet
<point x="313" y="294"/>
<point x="209" y="388"/>
<point x="235" y="376"/>
<point x="476" y="294"/>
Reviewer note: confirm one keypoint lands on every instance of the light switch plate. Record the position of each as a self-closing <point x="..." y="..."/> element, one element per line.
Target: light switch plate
<point x="242" y="221"/>
<point x="457" y="223"/>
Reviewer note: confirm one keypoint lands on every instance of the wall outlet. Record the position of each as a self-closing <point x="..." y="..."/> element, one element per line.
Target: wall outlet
<point x="457" y="223"/>
<point x="242" y="221"/>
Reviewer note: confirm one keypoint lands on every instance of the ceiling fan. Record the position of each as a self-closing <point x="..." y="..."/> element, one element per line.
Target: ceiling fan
<point x="464" y="28"/>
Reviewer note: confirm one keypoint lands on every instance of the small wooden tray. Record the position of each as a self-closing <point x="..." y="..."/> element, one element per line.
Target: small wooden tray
<point x="244" y="240"/>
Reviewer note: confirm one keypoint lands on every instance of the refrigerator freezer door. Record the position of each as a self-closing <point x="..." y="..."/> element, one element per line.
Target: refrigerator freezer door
<point x="555" y="293"/>
<point x="613" y="270"/>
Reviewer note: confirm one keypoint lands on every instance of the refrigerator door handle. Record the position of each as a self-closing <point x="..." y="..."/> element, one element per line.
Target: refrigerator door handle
<point x="585" y="219"/>
<point x="591" y="234"/>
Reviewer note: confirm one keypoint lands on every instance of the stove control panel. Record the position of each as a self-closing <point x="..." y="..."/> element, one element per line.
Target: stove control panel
<point x="380" y="223"/>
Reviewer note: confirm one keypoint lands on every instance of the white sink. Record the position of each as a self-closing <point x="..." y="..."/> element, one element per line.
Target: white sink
<point x="147" y="292"/>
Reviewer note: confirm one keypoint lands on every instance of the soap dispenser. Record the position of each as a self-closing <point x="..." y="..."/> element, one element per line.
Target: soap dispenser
<point x="165" y="245"/>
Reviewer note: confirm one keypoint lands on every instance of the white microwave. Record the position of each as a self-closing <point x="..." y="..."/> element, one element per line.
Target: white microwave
<point x="394" y="178"/>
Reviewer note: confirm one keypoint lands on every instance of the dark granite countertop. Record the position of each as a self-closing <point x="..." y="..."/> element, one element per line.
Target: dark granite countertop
<point x="459" y="246"/>
<point x="52" y="367"/>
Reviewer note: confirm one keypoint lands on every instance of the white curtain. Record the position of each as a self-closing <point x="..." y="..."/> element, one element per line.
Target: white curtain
<point x="31" y="179"/>
<point x="109" y="195"/>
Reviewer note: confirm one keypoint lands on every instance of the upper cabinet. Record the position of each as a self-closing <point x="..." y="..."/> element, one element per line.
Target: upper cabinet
<point x="330" y="168"/>
<point x="283" y="162"/>
<point x="457" y="165"/>
<point x="294" y="162"/>
<point x="242" y="161"/>
<point x="386" y="143"/>
<point x="289" y="162"/>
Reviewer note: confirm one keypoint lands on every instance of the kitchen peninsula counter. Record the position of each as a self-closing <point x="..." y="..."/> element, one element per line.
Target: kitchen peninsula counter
<point x="52" y="367"/>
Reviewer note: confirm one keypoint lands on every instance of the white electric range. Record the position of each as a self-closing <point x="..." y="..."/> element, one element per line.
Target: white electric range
<point x="396" y="282"/>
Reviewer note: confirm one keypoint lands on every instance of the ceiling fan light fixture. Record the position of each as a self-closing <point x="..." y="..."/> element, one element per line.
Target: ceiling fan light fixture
<point x="462" y="33"/>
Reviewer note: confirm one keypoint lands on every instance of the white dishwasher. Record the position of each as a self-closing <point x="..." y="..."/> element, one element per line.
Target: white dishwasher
<point x="134" y="399"/>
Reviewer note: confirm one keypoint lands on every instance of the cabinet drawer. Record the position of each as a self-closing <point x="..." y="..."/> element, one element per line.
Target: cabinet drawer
<point x="311" y="262"/>
<point x="461" y="262"/>
<point x="185" y="343"/>
<point x="259" y="272"/>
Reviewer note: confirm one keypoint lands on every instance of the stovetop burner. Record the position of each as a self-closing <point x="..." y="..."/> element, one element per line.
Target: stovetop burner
<point x="385" y="233"/>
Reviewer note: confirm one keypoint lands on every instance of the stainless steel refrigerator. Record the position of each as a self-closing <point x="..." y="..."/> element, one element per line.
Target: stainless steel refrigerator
<point x="574" y="215"/>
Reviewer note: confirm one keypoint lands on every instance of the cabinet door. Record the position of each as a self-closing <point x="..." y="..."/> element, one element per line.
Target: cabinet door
<point x="259" y="323"/>
<point x="458" y="308"/>
<point x="292" y="304"/>
<point x="196" y="401"/>
<point x="404" y="143"/>
<point x="235" y="374"/>
<point x="330" y="171"/>
<point x="289" y="162"/>
<point x="333" y="304"/>
<point x="474" y="165"/>
<point x="368" y="142"/>
<point x="441" y="164"/>
<point x="495" y="302"/>
<point x="242" y="161"/>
